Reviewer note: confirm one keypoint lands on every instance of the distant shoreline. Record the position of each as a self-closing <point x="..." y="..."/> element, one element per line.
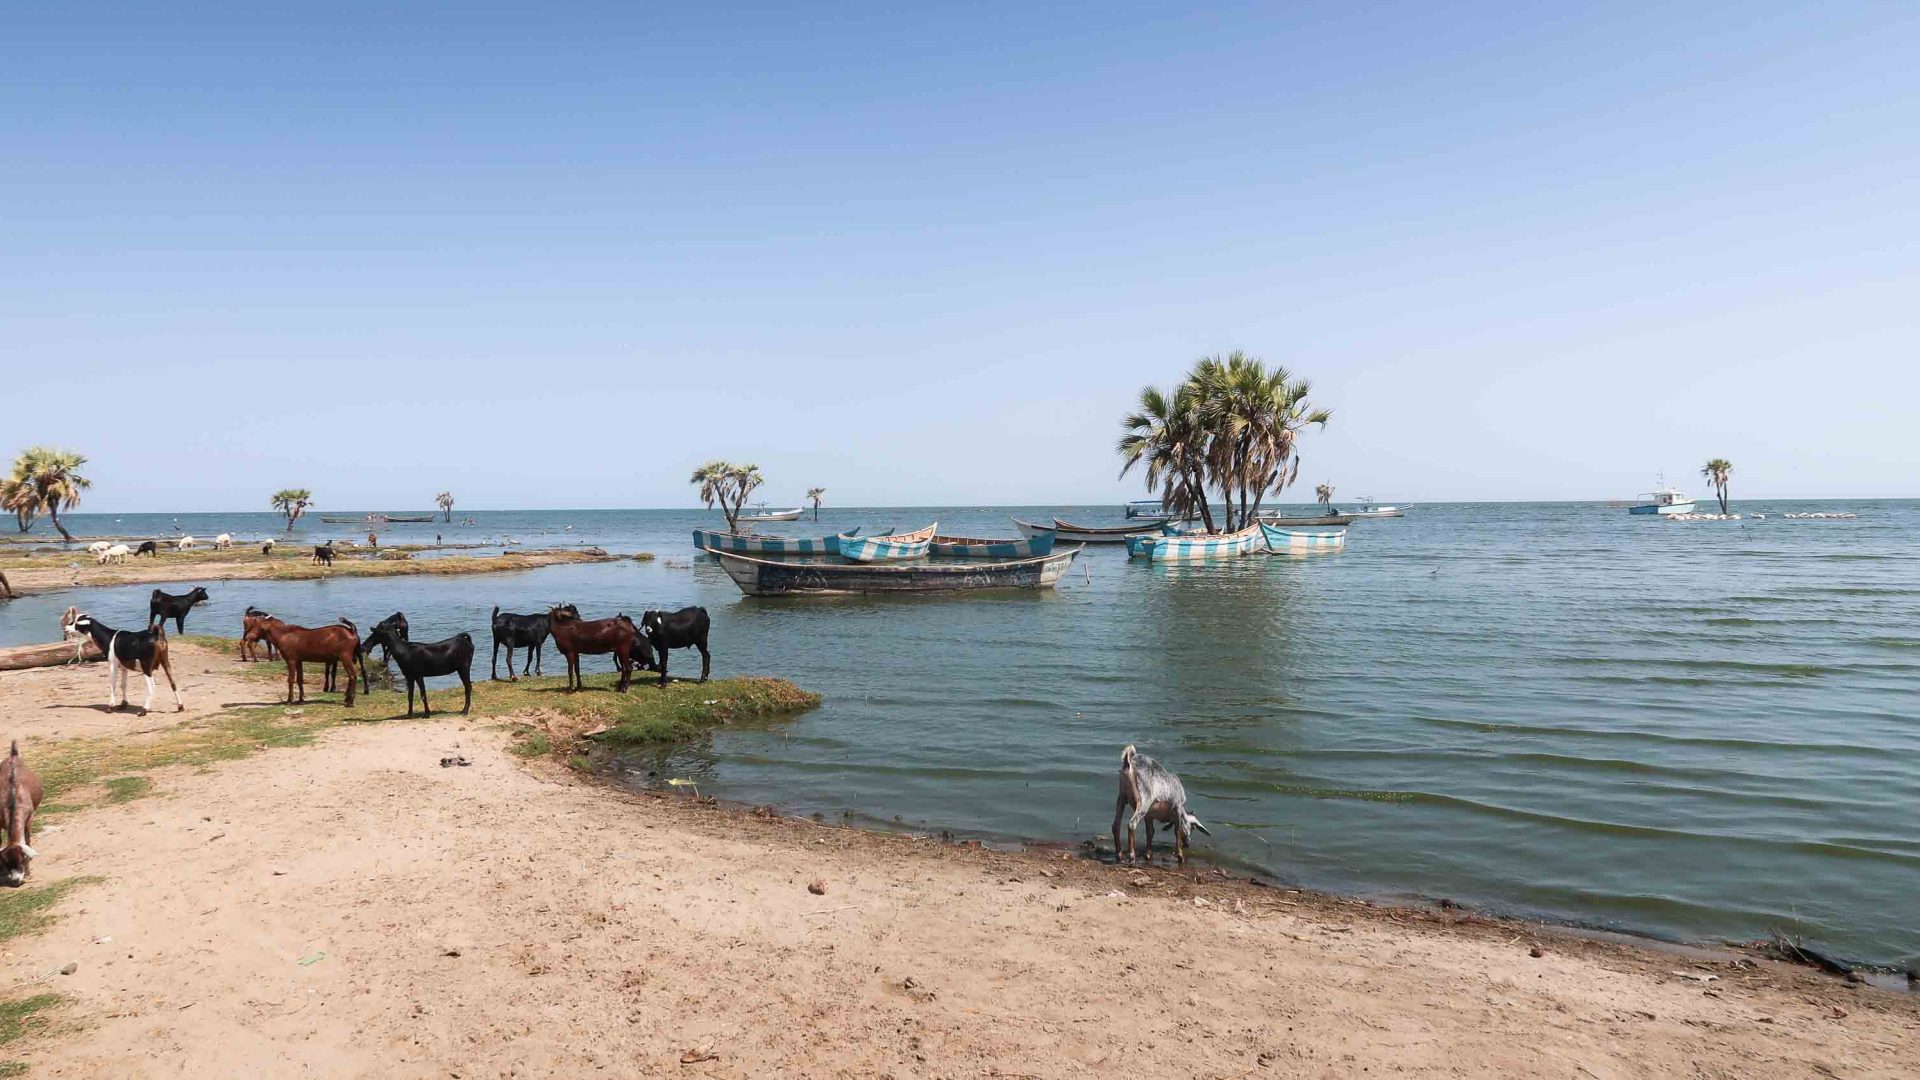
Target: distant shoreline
<point x="43" y="572"/>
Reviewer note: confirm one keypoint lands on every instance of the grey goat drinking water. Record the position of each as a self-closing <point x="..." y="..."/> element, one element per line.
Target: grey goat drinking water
<point x="1154" y="794"/>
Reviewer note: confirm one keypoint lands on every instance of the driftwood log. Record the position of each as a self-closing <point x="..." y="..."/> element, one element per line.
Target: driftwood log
<point x="49" y="655"/>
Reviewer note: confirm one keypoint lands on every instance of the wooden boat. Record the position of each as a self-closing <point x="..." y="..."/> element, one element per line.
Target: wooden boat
<point x="1145" y="508"/>
<point x="911" y="545"/>
<point x="774" y="515"/>
<point x="967" y="547"/>
<point x="1196" y="547"/>
<point x="1315" y="519"/>
<point x="775" y="577"/>
<point x="393" y="519"/>
<point x="1291" y="540"/>
<point x="1075" y="534"/>
<point x="1367" y="509"/>
<point x="749" y="544"/>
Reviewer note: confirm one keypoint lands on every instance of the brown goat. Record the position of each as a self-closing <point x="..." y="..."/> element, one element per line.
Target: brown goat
<point x="20" y="789"/>
<point x="301" y="645"/>
<point x="251" y="638"/>
<point x="574" y="637"/>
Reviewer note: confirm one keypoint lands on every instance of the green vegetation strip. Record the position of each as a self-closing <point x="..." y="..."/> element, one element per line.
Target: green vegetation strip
<point x="13" y="1022"/>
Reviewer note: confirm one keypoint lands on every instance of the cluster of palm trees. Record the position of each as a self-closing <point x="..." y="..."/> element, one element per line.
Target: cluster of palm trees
<point x="44" y="480"/>
<point x="1231" y="427"/>
<point x="1718" y="472"/>
<point x="727" y="485"/>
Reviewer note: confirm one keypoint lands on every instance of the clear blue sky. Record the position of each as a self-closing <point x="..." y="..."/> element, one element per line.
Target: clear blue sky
<point x="558" y="255"/>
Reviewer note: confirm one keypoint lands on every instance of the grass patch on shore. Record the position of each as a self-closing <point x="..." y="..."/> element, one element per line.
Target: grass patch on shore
<point x="13" y="1022"/>
<point x="289" y="562"/>
<point x="24" y="911"/>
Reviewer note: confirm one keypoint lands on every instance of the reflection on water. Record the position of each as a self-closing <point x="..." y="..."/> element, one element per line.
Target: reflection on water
<point x="1699" y="729"/>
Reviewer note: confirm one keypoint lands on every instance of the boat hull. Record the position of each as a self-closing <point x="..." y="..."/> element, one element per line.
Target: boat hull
<point x="781" y="515"/>
<point x="965" y="547"/>
<point x="1317" y="519"/>
<point x="1291" y="540"/>
<point x="746" y="544"/>
<point x="770" y="577"/>
<point x="911" y="545"/>
<point x="1200" y="548"/>
<point x="1661" y="509"/>
<point x="1072" y="534"/>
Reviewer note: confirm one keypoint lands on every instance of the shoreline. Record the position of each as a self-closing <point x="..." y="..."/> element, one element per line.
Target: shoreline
<point x="348" y="903"/>
<point x="76" y="569"/>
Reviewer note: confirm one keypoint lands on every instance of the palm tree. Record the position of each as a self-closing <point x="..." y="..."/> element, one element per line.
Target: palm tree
<point x="1325" y="494"/>
<point x="292" y="502"/>
<point x="728" y="485"/>
<point x="814" y="494"/>
<point x="46" y="480"/>
<point x="1718" y="472"/>
<point x="1164" y="433"/>
<point x="445" y="499"/>
<point x="16" y="496"/>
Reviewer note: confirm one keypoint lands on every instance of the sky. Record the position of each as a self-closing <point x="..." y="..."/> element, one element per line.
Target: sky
<point x="559" y="255"/>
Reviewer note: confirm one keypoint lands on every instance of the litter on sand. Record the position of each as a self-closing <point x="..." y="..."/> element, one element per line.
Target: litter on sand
<point x="309" y="961"/>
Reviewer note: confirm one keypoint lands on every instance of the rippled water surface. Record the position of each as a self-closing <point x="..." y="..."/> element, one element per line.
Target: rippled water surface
<point x="1698" y="730"/>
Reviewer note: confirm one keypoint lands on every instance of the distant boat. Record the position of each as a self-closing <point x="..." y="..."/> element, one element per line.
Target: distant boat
<point x="911" y="545"/>
<point x="394" y="519"/>
<point x="774" y="577"/>
<point x="377" y="519"/>
<point x="966" y="547"/>
<point x="1198" y="547"/>
<point x="1291" y="540"/>
<point x="1367" y="509"/>
<point x="747" y="544"/>
<point x="1080" y="534"/>
<point x="1145" y="508"/>
<point x="1663" y="500"/>
<point x="1316" y="519"/>
<point x="763" y="515"/>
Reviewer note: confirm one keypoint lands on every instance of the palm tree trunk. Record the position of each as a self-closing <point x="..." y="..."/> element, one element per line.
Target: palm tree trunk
<point x="54" y="513"/>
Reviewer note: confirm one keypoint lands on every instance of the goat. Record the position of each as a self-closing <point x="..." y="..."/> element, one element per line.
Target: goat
<point x="323" y="553"/>
<point x="683" y="629"/>
<point x="163" y="606"/>
<point x="126" y="650"/>
<point x="249" y="641"/>
<point x="527" y="632"/>
<point x="148" y="547"/>
<point x="1154" y="794"/>
<point x="224" y="540"/>
<point x="300" y="645"/>
<point x="454" y="656"/>
<point x="574" y="637"/>
<point x="98" y="548"/>
<point x="396" y="625"/>
<point x="115" y="553"/>
<point x="266" y="547"/>
<point x="23" y="794"/>
<point x="185" y="543"/>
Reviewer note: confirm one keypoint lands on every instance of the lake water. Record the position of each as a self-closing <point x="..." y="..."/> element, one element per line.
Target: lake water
<point x="1697" y="730"/>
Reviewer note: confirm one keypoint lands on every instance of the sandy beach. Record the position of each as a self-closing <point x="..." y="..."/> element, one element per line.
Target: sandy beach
<point x="353" y="908"/>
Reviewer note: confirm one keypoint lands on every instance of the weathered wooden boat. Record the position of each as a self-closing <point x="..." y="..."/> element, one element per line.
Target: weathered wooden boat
<point x="1294" y="540"/>
<point x="1314" y="519"/>
<point x="967" y="547"/>
<point x="1076" y="534"/>
<point x="911" y="545"/>
<point x="751" y="544"/>
<point x="778" y="577"/>
<point x="774" y="515"/>
<point x="1195" y="547"/>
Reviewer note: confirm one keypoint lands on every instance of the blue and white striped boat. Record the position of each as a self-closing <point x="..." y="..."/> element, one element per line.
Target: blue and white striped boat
<point x="1292" y="540"/>
<point x="1200" y="546"/>
<point x="750" y="544"/>
<point x="966" y="547"/>
<point x="911" y="545"/>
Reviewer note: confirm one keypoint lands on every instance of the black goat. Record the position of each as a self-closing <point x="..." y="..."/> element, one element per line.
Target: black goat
<point x="527" y="632"/>
<point x="396" y="624"/>
<point x="323" y="553"/>
<point x="164" y="606"/>
<point x="454" y="656"/>
<point x="148" y="547"/>
<point x="683" y="629"/>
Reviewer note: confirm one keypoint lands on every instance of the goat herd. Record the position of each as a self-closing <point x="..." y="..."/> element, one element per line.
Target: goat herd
<point x="340" y="648"/>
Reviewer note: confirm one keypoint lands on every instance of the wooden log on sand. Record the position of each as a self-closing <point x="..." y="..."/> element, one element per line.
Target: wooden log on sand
<point x="48" y="655"/>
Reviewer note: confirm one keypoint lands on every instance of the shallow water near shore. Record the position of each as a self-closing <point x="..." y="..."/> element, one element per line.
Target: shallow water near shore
<point x="1699" y="730"/>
